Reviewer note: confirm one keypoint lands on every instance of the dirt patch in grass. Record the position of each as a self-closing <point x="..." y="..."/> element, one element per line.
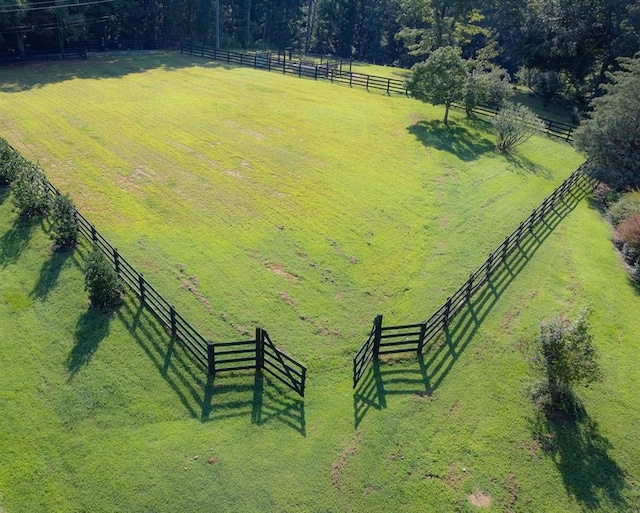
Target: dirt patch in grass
<point x="288" y="299"/>
<point x="212" y="460"/>
<point x="341" y="462"/>
<point x="512" y="489"/>
<point x="480" y="499"/>
<point x="281" y="271"/>
<point x="191" y="283"/>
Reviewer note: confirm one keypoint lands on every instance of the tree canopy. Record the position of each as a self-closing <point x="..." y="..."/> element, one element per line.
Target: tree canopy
<point x="578" y="42"/>
<point x="611" y="136"/>
<point x="440" y="79"/>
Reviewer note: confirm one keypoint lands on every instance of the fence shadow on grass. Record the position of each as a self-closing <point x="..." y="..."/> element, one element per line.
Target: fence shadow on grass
<point x="394" y="376"/>
<point x="263" y="398"/>
<point x="14" y="241"/>
<point x="581" y="454"/>
<point x="454" y="138"/>
<point x="209" y="398"/>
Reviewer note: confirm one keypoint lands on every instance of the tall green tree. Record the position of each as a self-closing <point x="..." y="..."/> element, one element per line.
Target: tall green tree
<point x="611" y="136"/>
<point x="440" y="79"/>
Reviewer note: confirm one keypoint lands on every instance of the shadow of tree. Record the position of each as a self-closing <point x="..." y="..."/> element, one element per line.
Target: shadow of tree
<point x="34" y="75"/>
<point x="455" y="139"/>
<point x="523" y="165"/>
<point x="444" y="350"/>
<point x="91" y="329"/>
<point x="581" y="454"/>
<point x="4" y="193"/>
<point x="16" y="239"/>
<point x="49" y="273"/>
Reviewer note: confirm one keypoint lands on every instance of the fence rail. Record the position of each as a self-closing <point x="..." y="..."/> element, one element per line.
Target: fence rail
<point x="259" y="354"/>
<point x="414" y="337"/>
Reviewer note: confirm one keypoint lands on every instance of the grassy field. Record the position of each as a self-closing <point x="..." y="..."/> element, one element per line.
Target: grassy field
<point x="252" y="198"/>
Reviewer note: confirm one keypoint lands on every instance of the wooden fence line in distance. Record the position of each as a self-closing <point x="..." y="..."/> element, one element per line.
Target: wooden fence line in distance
<point x="262" y="355"/>
<point x="414" y="337"/>
<point x="276" y="62"/>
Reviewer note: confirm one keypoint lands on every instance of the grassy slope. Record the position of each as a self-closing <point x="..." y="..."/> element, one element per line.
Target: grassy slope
<point x="94" y="401"/>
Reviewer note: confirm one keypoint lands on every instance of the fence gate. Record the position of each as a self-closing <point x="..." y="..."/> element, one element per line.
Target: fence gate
<point x="368" y="351"/>
<point x="259" y="354"/>
<point x="278" y="364"/>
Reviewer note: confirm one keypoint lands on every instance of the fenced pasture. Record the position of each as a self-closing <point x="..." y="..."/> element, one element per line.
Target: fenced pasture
<point x="249" y="201"/>
<point x="299" y="66"/>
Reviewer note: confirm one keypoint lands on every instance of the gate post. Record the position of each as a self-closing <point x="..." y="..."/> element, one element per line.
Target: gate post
<point x="211" y="358"/>
<point x="377" y="335"/>
<point x="259" y="349"/>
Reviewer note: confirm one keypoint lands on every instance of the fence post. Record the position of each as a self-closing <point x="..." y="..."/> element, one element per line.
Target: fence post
<point x="255" y="60"/>
<point x="211" y="358"/>
<point x="241" y="63"/>
<point x="259" y="349"/>
<point x="284" y="66"/>
<point x="469" y="286"/>
<point x="172" y="317"/>
<point x="367" y="86"/>
<point x="269" y="61"/>
<point x="116" y="261"/>
<point x="94" y="235"/>
<point x="350" y="79"/>
<point x="299" y="69"/>
<point x="447" y="309"/>
<point x="519" y="234"/>
<point x="141" y="286"/>
<point x="489" y="264"/>
<point x="423" y="331"/>
<point x="569" y="133"/>
<point x="504" y="248"/>
<point x="388" y="87"/>
<point x="228" y="56"/>
<point x="377" y="335"/>
<point x="315" y="72"/>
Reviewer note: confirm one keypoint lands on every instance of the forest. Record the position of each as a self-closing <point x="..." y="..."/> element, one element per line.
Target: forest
<point x="565" y="48"/>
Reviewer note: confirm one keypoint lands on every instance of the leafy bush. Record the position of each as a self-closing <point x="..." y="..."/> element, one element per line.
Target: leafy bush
<point x="628" y="232"/>
<point x="627" y="205"/>
<point x="565" y="355"/>
<point x="514" y="124"/>
<point x="30" y="194"/>
<point x="64" y="230"/>
<point x="487" y="84"/>
<point x="631" y="253"/>
<point x="10" y="163"/>
<point x="606" y="194"/>
<point x="101" y="281"/>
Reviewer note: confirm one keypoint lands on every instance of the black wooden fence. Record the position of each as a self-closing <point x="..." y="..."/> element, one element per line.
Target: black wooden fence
<point x="279" y="62"/>
<point x="413" y="337"/>
<point x="259" y="354"/>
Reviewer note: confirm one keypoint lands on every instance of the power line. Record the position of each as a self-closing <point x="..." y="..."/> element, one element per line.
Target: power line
<point x="56" y="6"/>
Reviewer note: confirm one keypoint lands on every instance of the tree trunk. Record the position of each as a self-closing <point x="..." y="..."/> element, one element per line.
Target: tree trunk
<point x="446" y="113"/>
<point x="217" y="24"/>
<point x="248" y="41"/>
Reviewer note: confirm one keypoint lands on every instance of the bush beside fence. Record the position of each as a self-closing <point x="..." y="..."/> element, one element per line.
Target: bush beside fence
<point x="413" y="337"/>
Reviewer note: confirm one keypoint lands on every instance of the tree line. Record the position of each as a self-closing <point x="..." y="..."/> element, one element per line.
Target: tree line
<point x="560" y="47"/>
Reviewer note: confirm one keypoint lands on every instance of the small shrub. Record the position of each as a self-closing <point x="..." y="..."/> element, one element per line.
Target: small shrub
<point x="605" y="194"/>
<point x="514" y="124"/>
<point x="64" y="230"/>
<point x="630" y="253"/>
<point x="10" y="163"/>
<point x="565" y="356"/>
<point x="101" y="281"/>
<point x="30" y="194"/>
<point x="627" y="205"/>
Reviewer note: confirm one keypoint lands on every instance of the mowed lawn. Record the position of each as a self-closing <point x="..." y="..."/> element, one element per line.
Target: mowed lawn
<point x="251" y="198"/>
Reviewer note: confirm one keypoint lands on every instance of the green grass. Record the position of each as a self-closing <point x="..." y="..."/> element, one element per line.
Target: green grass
<point x="251" y="198"/>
